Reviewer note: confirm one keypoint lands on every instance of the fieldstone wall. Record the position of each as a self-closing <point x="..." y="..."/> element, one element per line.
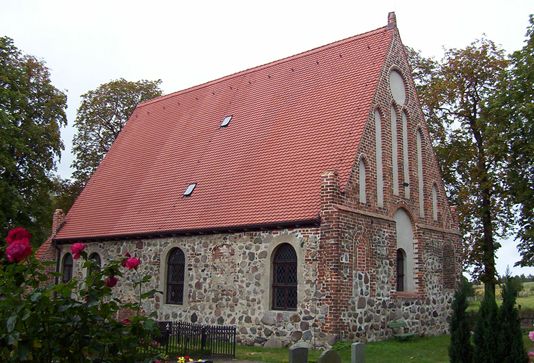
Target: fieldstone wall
<point x="227" y="281"/>
<point x="374" y="301"/>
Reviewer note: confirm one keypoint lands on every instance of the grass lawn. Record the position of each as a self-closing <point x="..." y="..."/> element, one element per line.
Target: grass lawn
<point x="428" y="349"/>
<point x="420" y="350"/>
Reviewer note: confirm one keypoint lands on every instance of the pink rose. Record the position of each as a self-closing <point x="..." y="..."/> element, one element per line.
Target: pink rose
<point x="17" y="233"/>
<point x="132" y="263"/>
<point x="125" y="321"/>
<point x="111" y="281"/>
<point x="18" y="250"/>
<point x="531" y="335"/>
<point x="76" y="249"/>
<point x="123" y="262"/>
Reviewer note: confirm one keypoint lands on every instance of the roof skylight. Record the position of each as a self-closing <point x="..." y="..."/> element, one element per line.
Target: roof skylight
<point x="226" y="121"/>
<point x="189" y="189"/>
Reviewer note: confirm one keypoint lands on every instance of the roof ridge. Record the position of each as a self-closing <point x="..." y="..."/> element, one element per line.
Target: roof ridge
<point x="266" y="65"/>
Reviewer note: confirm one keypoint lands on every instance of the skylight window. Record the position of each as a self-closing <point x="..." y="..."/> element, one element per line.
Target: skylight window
<point x="226" y="121"/>
<point x="189" y="189"/>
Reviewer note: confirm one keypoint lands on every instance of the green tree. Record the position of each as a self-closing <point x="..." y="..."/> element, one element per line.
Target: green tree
<point x="64" y="193"/>
<point x="101" y="116"/>
<point x="460" y="348"/>
<point x="487" y="328"/>
<point x="510" y="336"/>
<point x="456" y="99"/>
<point x="515" y="103"/>
<point x="32" y="111"/>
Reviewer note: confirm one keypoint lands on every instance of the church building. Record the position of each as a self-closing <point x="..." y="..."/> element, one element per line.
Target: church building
<point x="299" y="200"/>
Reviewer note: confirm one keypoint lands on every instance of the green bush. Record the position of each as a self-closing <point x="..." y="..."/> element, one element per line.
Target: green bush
<point x="67" y="322"/>
<point x="486" y="336"/>
<point x="460" y="349"/>
<point x="511" y="339"/>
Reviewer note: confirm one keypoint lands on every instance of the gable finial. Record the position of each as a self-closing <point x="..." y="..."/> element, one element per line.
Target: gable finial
<point x="392" y="20"/>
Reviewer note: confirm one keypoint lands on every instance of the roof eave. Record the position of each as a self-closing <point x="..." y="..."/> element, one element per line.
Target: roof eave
<point x="312" y="222"/>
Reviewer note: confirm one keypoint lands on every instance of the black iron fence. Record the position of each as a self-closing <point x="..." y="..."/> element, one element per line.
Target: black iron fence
<point x="213" y="341"/>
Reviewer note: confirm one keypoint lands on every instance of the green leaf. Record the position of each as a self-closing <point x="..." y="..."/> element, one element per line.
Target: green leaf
<point x="35" y="296"/>
<point x="37" y="344"/>
<point x="10" y="323"/>
<point x="149" y="294"/>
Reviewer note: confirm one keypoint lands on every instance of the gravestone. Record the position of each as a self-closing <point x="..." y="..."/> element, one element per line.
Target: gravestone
<point x="329" y="356"/>
<point x="357" y="353"/>
<point x="298" y="353"/>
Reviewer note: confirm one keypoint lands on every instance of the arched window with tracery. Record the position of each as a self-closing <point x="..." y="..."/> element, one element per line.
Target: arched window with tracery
<point x="175" y="277"/>
<point x="67" y="268"/>
<point x="284" y="285"/>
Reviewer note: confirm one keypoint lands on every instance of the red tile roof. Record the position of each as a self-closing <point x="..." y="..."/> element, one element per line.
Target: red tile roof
<point x="292" y="120"/>
<point x="46" y="251"/>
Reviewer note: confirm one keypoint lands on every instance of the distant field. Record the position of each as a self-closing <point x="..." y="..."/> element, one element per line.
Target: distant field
<point x="525" y="299"/>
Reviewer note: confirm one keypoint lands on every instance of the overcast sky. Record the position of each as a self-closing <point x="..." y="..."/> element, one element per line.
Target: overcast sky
<point x="184" y="43"/>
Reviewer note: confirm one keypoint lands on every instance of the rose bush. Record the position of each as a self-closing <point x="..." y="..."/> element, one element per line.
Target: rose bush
<point x="77" y="249"/>
<point x="42" y="321"/>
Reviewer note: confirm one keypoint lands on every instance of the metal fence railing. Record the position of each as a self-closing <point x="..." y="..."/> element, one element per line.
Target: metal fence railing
<point x="207" y="341"/>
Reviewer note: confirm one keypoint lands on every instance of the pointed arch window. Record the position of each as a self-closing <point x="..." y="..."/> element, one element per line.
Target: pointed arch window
<point x="175" y="277"/>
<point x="378" y="155"/>
<point x="394" y="152"/>
<point x="405" y="261"/>
<point x="67" y="268"/>
<point x="405" y="158"/>
<point x="284" y="286"/>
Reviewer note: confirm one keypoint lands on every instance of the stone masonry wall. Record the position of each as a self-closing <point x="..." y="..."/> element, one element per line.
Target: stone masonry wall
<point x="228" y="281"/>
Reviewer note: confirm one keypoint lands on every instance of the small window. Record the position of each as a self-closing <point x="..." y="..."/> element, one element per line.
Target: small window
<point x="175" y="277"/>
<point x="284" y="286"/>
<point x="95" y="257"/>
<point x="226" y="121"/>
<point x="67" y="268"/>
<point x="401" y="262"/>
<point x="189" y="189"/>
